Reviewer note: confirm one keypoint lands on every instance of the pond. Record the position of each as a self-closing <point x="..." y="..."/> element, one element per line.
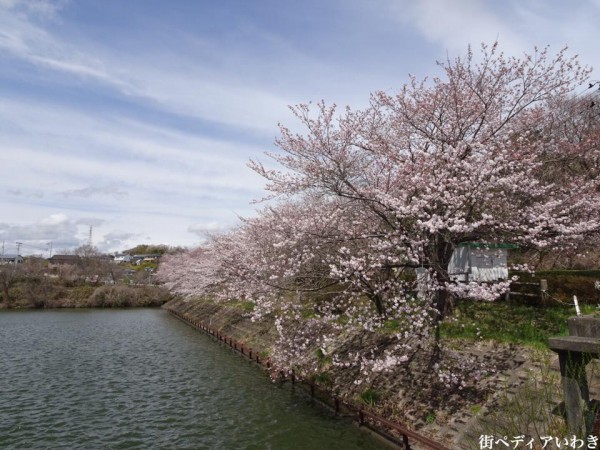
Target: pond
<point x="140" y="378"/>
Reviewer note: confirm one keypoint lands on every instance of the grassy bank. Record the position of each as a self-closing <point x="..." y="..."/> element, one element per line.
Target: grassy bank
<point x="506" y="343"/>
<point x="530" y="325"/>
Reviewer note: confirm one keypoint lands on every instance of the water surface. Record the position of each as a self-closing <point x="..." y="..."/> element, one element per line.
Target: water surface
<point x="142" y="379"/>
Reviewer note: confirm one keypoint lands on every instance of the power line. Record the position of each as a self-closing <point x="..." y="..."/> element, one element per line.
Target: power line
<point x="18" y="244"/>
<point x="33" y="246"/>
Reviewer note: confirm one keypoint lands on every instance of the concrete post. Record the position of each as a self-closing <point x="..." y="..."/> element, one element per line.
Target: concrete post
<point x="576" y="390"/>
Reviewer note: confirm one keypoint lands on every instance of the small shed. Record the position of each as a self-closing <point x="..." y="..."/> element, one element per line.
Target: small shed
<point x="480" y="262"/>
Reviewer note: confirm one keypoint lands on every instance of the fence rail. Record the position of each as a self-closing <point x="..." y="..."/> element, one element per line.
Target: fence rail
<point x="535" y="289"/>
<point x="364" y="418"/>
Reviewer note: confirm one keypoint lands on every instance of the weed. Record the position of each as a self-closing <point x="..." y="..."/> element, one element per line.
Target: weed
<point x="392" y="326"/>
<point x="322" y="378"/>
<point x="476" y="409"/>
<point x="369" y="397"/>
<point x="243" y="305"/>
<point x="430" y="418"/>
<point x="248" y="306"/>
<point x="322" y="359"/>
<point x="308" y="313"/>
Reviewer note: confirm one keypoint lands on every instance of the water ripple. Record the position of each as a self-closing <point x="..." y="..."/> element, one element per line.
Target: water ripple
<point x="138" y="379"/>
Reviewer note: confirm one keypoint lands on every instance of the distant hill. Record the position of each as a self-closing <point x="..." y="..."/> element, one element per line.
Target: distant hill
<point x="143" y="249"/>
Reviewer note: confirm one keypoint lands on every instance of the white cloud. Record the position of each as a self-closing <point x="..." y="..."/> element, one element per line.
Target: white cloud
<point x="111" y="190"/>
<point x="22" y="37"/>
<point x="149" y="132"/>
<point x="457" y="24"/>
<point x="518" y="26"/>
<point x="118" y="240"/>
<point x="218" y="85"/>
<point x="44" y="8"/>
<point x="188" y="90"/>
<point x="86" y="149"/>
<point x="137" y="177"/>
<point x="54" y="219"/>
<point x="35" y="238"/>
<point x="204" y="229"/>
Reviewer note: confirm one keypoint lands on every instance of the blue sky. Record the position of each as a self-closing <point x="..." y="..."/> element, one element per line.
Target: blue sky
<point x="138" y="117"/>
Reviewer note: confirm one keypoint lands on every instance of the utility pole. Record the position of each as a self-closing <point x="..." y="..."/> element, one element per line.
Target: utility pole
<point x="49" y="244"/>
<point x="90" y="238"/>
<point x="18" y="253"/>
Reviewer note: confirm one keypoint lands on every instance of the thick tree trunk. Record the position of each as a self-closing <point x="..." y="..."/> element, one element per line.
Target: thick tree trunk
<point x="379" y="305"/>
<point x="442" y="301"/>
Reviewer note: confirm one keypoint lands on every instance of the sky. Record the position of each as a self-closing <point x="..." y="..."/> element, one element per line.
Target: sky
<point x="136" y="119"/>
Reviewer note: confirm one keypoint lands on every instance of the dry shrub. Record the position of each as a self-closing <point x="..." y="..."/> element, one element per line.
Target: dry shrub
<point x="127" y="296"/>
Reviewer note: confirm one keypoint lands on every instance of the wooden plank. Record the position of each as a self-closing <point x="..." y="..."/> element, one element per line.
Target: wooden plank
<point x="524" y="294"/>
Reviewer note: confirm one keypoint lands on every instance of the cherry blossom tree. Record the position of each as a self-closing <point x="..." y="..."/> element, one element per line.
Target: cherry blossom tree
<point x="449" y="161"/>
<point x="310" y="266"/>
<point x="493" y="152"/>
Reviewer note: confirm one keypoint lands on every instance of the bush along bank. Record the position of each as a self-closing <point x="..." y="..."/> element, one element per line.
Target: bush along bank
<point x="51" y="294"/>
<point x="501" y="380"/>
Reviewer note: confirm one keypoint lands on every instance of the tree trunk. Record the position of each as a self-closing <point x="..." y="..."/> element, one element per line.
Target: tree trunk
<point x="441" y="257"/>
<point x="442" y="301"/>
<point x="379" y="305"/>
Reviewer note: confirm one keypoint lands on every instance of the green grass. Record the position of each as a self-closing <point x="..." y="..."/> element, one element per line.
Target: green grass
<point x="308" y="313"/>
<point x="523" y="324"/>
<point x="322" y="378"/>
<point x="246" y="306"/>
<point x="370" y="397"/>
<point x="430" y="418"/>
<point x="392" y="326"/>
<point x="476" y="409"/>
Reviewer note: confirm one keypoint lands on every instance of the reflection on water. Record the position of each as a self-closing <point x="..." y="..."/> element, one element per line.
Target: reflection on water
<point x="142" y="379"/>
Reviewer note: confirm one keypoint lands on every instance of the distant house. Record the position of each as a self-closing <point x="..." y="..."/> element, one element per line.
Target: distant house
<point x="122" y="258"/>
<point x="64" y="259"/>
<point x="473" y="261"/>
<point x="11" y="259"/>
<point x="148" y="257"/>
